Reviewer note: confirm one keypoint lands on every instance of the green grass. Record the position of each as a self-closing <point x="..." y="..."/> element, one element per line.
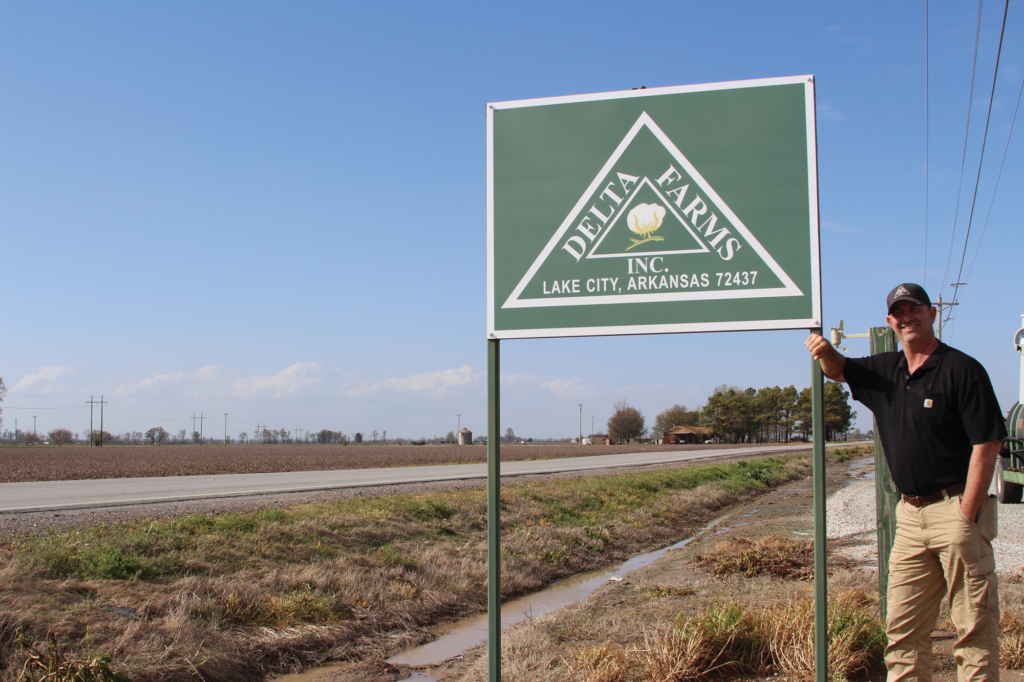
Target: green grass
<point x="168" y="549"/>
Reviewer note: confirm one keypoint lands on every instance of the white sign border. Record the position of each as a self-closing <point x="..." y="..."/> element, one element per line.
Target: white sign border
<point x="812" y="175"/>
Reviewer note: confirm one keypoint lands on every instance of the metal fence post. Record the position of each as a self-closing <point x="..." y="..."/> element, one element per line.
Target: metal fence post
<point x="493" y="514"/>
<point x="886" y="496"/>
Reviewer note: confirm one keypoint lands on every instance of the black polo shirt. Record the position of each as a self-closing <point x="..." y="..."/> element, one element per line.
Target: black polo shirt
<point x="927" y="421"/>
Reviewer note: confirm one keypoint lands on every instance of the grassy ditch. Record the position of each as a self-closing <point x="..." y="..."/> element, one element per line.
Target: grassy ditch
<point x="728" y="639"/>
<point x="235" y="596"/>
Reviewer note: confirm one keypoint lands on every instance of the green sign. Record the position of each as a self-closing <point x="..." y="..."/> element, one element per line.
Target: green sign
<point x="678" y="209"/>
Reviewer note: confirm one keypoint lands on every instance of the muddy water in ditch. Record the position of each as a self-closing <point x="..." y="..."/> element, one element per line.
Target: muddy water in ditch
<point x="466" y="634"/>
<point x="457" y="638"/>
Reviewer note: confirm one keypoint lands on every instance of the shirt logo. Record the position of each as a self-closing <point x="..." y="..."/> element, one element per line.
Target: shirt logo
<point x="928" y="402"/>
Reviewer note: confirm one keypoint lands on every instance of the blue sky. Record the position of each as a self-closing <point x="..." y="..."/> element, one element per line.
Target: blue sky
<point x="277" y="210"/>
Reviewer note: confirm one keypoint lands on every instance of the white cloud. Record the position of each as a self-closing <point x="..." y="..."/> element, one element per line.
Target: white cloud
<point x="197" y="383"/>
<point x="826" y="112"/>
<point x="299" y="378"/>
<point x="566" y="388"/>
<point x="47" y="380"/>
<point x="840" y="228"/>
<point x="431" y="383"/>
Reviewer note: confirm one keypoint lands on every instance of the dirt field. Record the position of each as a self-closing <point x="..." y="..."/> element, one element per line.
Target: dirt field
<point x="48" y="463"/>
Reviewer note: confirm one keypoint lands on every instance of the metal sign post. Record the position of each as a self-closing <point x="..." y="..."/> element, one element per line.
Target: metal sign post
<point x="493" y="510"/>
<point x="883" y="340"/>
<point x="820" y="546"/>
<point x="664" y="210"/>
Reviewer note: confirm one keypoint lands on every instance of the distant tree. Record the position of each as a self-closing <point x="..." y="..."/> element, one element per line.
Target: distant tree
<point x="60" y="436"/>
<point x="32" y="438"/>
<point x="76" y="436"/>
<point x="374" y="434"/>
<point x="181" y="436"/>
<point x="510" y="435"/>
<point x="788" y="409"/>
<point x="157" y="435"/>
<point x="804" y="412"/>
<point x="838" y="414"/>
<point x="103" y="436"/>
<point x="677" y="415"/>
<point x="384" y="437"/>
<point x="358" y="438"/>
<point x="727" y="413"/>
<point x="243" y="437"/>
<point x="450" y="436"/>
<point x="626" y="423"/>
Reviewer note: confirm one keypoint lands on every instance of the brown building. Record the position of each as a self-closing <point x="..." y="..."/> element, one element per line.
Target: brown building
<point x="684" y="434"/>
<point x="600" y="439"/>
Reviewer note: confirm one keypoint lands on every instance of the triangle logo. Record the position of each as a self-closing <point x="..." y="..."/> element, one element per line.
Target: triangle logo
<point x="649" y="228"/>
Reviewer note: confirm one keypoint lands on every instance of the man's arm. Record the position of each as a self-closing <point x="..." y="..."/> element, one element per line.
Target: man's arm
<point x="979" y="477"/>
<point x="832" y="363"/>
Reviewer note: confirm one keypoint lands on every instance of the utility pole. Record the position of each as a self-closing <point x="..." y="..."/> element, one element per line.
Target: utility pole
<point x="940" y="305"/>
<point x="102" y="403"/>
<point x="200" y="418"/>
<point x="580" y="441"/>
<point x="225" y="428"/>
<point x="591" y="429"/>
<point x="33" y="425"/>
<point x="89" y="402"/>
<point x="459" y="427"/>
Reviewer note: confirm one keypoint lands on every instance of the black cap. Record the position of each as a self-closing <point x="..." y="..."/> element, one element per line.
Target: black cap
<point x="908" y="292"/>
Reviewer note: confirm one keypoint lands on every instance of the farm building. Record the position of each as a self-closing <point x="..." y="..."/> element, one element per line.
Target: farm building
<point x="465" y="437"/>
<point x="598" y="439"/>
<point x="684" y="434"/>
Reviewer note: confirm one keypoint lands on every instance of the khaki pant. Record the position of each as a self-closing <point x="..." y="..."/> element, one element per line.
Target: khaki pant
<point x="939" y="552"/>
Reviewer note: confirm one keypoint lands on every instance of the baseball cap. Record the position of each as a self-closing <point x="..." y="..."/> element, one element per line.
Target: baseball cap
<point x="908" y="292"/>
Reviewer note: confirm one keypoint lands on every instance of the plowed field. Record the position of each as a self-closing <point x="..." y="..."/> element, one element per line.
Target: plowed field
<point x="48" y="463"/>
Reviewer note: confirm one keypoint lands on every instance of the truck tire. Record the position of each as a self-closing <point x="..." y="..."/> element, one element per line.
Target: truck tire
<point x="1006" y="492"/>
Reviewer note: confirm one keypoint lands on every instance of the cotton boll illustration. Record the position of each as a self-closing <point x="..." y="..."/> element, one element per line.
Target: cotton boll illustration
<point x="643" y="220"/>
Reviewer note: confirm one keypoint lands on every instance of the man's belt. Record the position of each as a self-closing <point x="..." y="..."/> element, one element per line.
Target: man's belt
<point x="924" y="500"/>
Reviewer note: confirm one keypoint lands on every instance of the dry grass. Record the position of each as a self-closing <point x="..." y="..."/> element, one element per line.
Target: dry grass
<point x="770" y="555"/>
<point x="46" y="463"/>
<point x="1011" y="625"/>
<point x="234" y="596"/>
<point x="726" y="640"/>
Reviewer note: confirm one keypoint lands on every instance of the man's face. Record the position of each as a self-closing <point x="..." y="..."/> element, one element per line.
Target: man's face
<point x="912" y="322"/>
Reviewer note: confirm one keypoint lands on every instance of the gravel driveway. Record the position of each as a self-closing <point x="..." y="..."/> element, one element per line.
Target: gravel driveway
<point x="851" y="516"/>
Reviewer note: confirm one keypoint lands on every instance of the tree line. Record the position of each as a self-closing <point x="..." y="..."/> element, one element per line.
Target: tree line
<point x="742" y="415"/>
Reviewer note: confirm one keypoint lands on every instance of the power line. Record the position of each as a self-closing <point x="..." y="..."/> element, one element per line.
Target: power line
<point x="927" y="136"/>
<point x="998" y="178"/>
<point x="984" y="142"/>
<point x="70" y="407"/>
<point x="963" y="160"/>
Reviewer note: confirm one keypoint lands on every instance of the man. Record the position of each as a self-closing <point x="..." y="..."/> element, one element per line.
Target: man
<point x="940" y="426"/>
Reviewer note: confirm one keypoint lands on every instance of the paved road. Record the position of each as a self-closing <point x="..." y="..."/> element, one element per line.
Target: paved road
<point x="20" y="498"/>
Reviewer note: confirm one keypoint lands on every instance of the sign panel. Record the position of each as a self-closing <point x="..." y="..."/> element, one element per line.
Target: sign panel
<point x="653" y="211"/>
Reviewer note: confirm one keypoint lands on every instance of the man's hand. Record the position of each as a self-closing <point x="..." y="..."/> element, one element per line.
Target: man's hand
<point x="979" y="477"/>
<point x="832" y="363"/>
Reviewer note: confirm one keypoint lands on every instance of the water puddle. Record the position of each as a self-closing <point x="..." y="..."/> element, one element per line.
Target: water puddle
<point x="423" y="677"/>
<point x="466" y="634"/>
<point x="860" y="469"/>
<point x="312" y="675"/>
